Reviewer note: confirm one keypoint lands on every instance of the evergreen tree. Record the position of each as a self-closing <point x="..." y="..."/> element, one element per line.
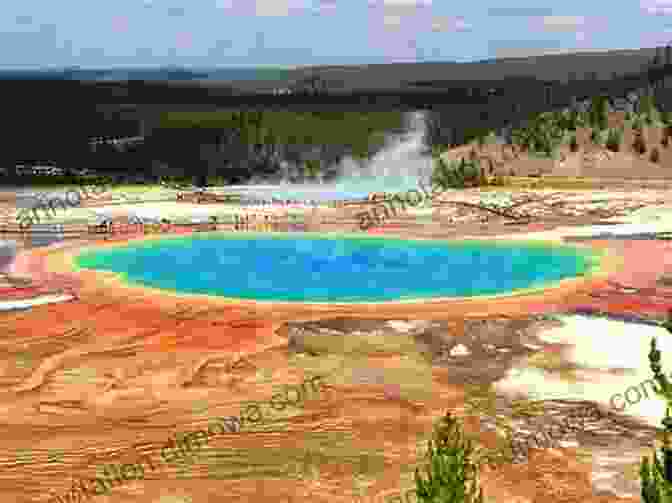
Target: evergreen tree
<point x="656" y="478"/>
<point x="452" y="475"/>
<point x="614" y="140"/>
<point x="573" y="144"/>
<point x="639" y="144"/>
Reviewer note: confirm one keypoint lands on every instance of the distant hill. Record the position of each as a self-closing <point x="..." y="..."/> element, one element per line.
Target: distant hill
<point x="549" y="67"/>
<point x="151" y="74"/>
<point x="377" y="76"/>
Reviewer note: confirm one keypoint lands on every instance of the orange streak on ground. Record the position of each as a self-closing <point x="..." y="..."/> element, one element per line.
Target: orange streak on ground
<point x="244" y="325"/>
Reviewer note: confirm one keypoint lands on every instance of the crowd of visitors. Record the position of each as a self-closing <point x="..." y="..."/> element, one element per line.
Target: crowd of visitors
<point x="251" y="222"/>
<point x="255" y="222"/>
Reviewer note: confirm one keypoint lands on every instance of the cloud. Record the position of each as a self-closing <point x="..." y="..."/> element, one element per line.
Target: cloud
<point x="450" y="23"/>
<point x="580" y="25"/>
<point x="224" y="4"/>
<point x="412" y="14"/>
<point x="400" y="7"/>
<point x="120" y="24"/>
<point x="657" y="38"/>
<point x="278" y="8"/>
<point x="325" y="7"/>
<point x="184" y="40"/>
<point x="562" y="23"/>
<point x="656" y="7"/>
<point x="392" y="21"/>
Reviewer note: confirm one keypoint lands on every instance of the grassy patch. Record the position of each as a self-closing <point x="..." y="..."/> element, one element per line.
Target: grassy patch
<point x="79" y="375"/>
<point x="345" y="360"/>
<point x="546" y="361"/>
<point x="306" y="461"/>
<point x="363" y="345"/>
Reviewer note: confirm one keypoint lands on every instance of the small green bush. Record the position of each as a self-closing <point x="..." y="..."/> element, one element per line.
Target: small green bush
<point x="664" y="116"/>
<point x="614" y="140"/>
<point x="458" y="174"/>
<point x="639" y="145"/>
<point x="573" y="144"/>
<point x="655" y="477"/>
<point x="452" y="475"/>
<point x="655" y="488"/>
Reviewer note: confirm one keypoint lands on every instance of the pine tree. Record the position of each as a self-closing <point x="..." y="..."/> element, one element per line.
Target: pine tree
<point x="452" y="475"/>
<point x="639" y="145"/>
<point x="573" y="144"/>
<point x="656" y="478"/>
<point x="614" y="140"/>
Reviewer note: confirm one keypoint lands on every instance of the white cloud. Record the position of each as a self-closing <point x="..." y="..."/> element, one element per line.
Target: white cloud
<point x="278" y="8"/>
<point x="656" y="7"/>
<point x="562" y="23"/>
<point x="392" y="21"/>
<point x="449" y="23"/>
<point x="224" y="4"/>
<point x="325" y="7"/>
<point x="400" y="7"/>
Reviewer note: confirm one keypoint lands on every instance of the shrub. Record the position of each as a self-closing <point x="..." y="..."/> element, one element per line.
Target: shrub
<point x="573" y="144"/>
<point x="656" y="478"/>
<point x="639" y="145"/>
<point x="655" y="155"/>
<point x="452" y="475"/>
<point x="614" y="140"/>
<point x="457" y="174"/>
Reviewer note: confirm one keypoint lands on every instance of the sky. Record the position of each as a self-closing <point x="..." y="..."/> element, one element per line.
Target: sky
<point x="290" y="33"/>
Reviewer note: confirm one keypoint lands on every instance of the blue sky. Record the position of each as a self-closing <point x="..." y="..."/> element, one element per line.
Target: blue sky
<point x="204" y="33"/>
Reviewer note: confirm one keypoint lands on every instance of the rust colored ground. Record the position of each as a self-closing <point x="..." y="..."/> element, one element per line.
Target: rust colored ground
<point x="123" y="366"/>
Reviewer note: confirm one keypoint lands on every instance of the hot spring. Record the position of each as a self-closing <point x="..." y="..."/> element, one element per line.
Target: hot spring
<point x="337" y="269"/>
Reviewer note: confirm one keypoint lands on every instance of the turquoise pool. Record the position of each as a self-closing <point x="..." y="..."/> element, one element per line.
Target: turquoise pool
<point x="312" y="268"/>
